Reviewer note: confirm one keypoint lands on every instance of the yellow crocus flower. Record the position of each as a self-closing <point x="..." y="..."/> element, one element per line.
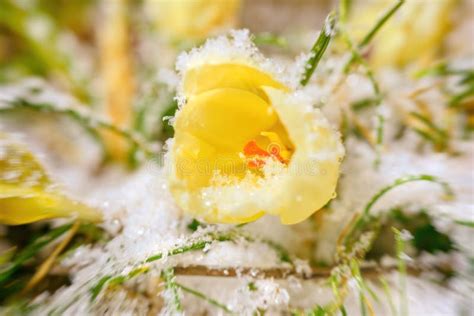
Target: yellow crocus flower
<point x="415" y="34"/>
<point x="194" y="20"/>
<point x="246" y="145"/>
<point x="26" y="193"/>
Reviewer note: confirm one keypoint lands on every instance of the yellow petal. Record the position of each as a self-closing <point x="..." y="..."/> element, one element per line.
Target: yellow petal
<point x="238" y="76"/>
<point x="225" y="118"/>
<point x="212" y="129"/>
<point x="24" y="205"/>
<point x="26" y="192"/>
<point x="195" y="161"/>
<point x="314" y="167"/>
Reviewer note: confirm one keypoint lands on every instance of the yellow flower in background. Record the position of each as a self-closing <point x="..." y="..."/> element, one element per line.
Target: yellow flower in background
<point x="415" y="34"/>
<point x="27" y="194"/>
<point x="194" y="20"/>
<point x="245" y="146"/>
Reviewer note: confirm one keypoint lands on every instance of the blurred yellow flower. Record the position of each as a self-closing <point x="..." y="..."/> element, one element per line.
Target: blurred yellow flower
<point x="27" y="194"/>
<point x="246" y="145"/>
<point x="414" y="34"/>
<point x="194" y="20"/>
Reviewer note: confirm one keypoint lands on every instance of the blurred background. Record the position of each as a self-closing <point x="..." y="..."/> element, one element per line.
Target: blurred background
<point x="89" y="88"/>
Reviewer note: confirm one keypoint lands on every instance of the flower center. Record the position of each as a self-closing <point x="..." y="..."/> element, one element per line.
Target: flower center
<point x="268" y="145"/>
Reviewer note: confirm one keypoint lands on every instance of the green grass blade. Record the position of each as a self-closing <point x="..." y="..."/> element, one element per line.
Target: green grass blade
<point x="465" y="223"/>
<point x="204" y="297"/>
<point x="402" y="270"/>
<point x="319" y="48"/>
<point x="170" y="285"/>
<point x="365" y="217"/>
<point x="31" y="250"/>
<point x="270" y="39"/>
<point x="380" y="22"/>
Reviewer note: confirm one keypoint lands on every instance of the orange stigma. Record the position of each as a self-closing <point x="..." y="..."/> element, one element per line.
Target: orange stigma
<point x="257" y="155"/>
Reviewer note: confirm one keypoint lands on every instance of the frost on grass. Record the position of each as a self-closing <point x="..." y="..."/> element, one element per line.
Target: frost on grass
<point x="38" y="92"/>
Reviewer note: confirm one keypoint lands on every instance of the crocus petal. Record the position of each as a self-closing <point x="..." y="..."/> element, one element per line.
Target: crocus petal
<point x="238" y="76"/>
<point x="26" y="192"/>
<point x="226" y="118"/>
<point x="26" y="205"/>
<point x="213" y="128"/>
<point x="313" y="172"/>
